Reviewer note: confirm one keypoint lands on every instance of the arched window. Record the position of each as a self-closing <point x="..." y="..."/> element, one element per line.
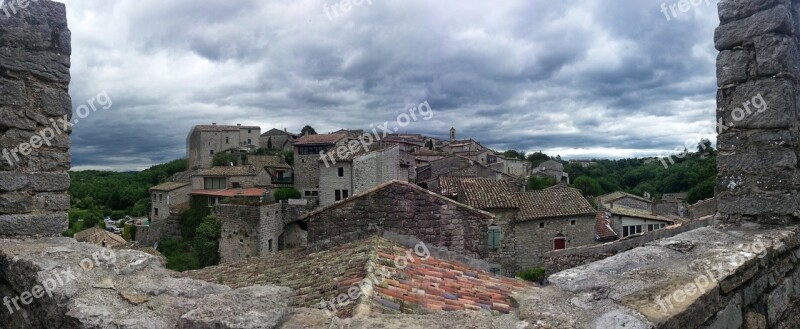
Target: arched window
<point x="559" y="242"/>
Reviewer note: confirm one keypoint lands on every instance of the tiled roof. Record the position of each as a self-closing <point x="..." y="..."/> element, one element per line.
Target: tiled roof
<point x="603" y="228"/>
<point x="422" y="286"/>
<point x="228" y="171"/>
<point x="325" y="139"/>
<point x="551" y="165"/>
<point x="643" y="214"/>
<point x="426" y="152"/>
<point x="169" y="186"/>
<point x="605" y="200"/>
<point x="99" y="237"/>
<point x="481" y="193"/>
<point x="557" y="201"/>
<point x="277" y="132"/>
<point x="216" y="128"/>
<point x="231" y="192"/>
<point x="267" y="161"/>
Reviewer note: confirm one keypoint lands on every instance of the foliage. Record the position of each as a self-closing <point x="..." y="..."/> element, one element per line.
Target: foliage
<point x="285" y="194"/>
<point x="537" y="158"/>
<point x="588" y="186"/>
<point x="514" y="154"/>
<point x="129" y="232"/>
<point x="429" y="144"/>
<point x="195" y="253"/>
<point x="128" y="193"/>
<point x="539" y="183"/>
<point x="308" y="130"/>
<point x="288" y="157"/>
<point x="223" y="159"/>
<point x="269" y="143"/>
<point x="80" y="220"/>
<point x="532" y="274"/>
<point x="193" y="217"/>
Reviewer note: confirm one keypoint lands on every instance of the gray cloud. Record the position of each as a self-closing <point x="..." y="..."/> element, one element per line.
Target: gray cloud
<point x="582" y="78"/>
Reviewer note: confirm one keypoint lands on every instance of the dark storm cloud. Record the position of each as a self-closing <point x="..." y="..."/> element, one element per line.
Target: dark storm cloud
<point x="576" y="78"/>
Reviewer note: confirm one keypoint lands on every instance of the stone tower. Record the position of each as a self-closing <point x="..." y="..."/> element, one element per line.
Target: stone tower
<point x="452" y="134"/>
<point x="757" y="102"/>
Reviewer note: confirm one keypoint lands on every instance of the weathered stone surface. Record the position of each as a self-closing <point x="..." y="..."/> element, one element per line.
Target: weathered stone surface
<point x="51" y="201"/>
<point x="732" y="66"/>
<point x="12" y="92"/>
<point x="736" y="33"/>
<point x="777" y="54"/>
<point x="730" y="317"/>
<point x="55" y="102"/>
<point x="779" y="95"/>
<point x="252" y="307"/>
<point x="43" y="181"/>
<point x="753" y="202"/>
<point x="755" y="320"/>
<point x="741" y="162"/>
<point x="778" y="301"/>
<point x="141" y="293"/>
<point x="15" y="203"/>
<point x="730" y="10"/>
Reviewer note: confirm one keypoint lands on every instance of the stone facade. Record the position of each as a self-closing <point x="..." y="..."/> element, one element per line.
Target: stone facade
<point x="205" y="141"/>
<point x="533" y="241"/>
<point x="280" y="139"/>
<point x="703" y="208"/>
<point x="758" y="102"/>
<point x="307" y="165"/>
<point x="252" y="231"/>
<point x="34" y="80"/>
<point x="378" y="167"/>
<point x="330" y="181"/>
<point x="404" y="209"/>
<point x="168" y="199"/>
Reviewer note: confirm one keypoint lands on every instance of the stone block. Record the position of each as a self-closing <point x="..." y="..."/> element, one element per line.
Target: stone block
<point x="778" y="301"/>
<point x="52" y="201"/>
<point x="12" y="92"/>
<point x="754" y="320"/>
<point x="732" y="66"/>
<point x="730" y="10"/>
<point x="16" y="203"/>
<point x="752" y="202"/>
<point x="752" y="292"/>
<point x="757" y="161"/>
<point x="730" y="317"/>
<point x="16" y="118"/>
<point x="734" y="140"/>
<point x="55" y="102"/>
<point x="777" y="54"/>
<point x="33" y="224"/>
<point x="49" y="181"/>
<point x="12" y="181"/>
<point x="776" y="20"/>
<point x="762" y="104"/>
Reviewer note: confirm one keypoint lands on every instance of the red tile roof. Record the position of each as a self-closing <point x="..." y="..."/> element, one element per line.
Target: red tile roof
<point x="416" y="286"/>
<point x="603" y="228"/>
<point x="324" y="139"/>
<point x="481" y="193"/>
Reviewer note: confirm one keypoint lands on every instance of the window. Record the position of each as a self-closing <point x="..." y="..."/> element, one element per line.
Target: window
<point x="269" y="244"/>
<point x="215" y="183"/>
<point x="653" y="227"/>
<point x="211" y="152"/>
<point x="154" y="197"/>
<point x="573" y="222"/>
<point x="345" y="194"/>
<point x="631" y="230"/>
<point x="236" y="185"/>
<point x="155" y="212"/>
<point x="311" y="150"/>
<point x="493" y="237"/>
<point x="160" y="197"/>
<point x="280" y="174"/>
<point x="227" y="140"/>
<point x="250" y="131"/>
<point x="249" y="141"/>
<point x="559" y="243"/>
<point x="311" y="193"/>
<point x="337" y="195"/>
<point x="213" y="201"/>
<point x="496" y="271"/>
<point x="541" y="225"/>
<point x="341" y="171"/>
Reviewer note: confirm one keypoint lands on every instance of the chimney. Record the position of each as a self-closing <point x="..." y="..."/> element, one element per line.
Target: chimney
<point x="238" y="124"/>
<point x="213" y="123"/>
<point x="653" y="207"/>
<point x="285" y="130"/>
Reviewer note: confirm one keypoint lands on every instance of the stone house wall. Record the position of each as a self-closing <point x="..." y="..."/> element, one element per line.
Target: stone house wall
<point x="240" y="232"/>
<point x="329" y="181"/>
<point x="376" y="168"/>
<point x="306" y="172"/>
<point x="675" y="208"/>
<point x="533" y="241"/>
<point x="407" y="210"/>
<point x="201" y="143"/>
<point x="167" y="202"/>
<point x="198" y="182"/>
<point x="631" y="203"/>
<point x="34" y="81"/>
<point x="703" y="208"/>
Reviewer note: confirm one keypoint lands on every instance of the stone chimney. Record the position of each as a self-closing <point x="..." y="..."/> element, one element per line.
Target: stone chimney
<point x="34" y="82"/>
<point x="757" y="111"/>
<point x="213" y="123"/>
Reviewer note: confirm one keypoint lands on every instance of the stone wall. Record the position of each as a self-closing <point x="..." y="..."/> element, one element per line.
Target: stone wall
<point x="560" y="260"/>
<point x="159" y="230"/>
<point x="376" y="168"/>
<point x="240" y="232"/>
<point x="404" y="209"/>
<point x="534" y="241"/>
<point x="707" y="207"/>
<point x="757" y="100"/>
<point x="329" y="181"/>
<point x="34" y="79"/>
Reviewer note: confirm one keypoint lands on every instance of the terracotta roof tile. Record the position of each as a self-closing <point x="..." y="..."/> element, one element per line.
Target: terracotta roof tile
<point x="228" y="171"/>
<point x="603" y="228"/>
<point x="169" y="186"/>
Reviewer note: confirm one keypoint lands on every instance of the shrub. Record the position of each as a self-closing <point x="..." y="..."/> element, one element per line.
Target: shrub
<point x="531" y="274"/>
<point x="286" y="194"/>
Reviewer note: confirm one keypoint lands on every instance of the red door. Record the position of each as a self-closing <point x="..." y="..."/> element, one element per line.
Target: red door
<point x="559" y="243"/>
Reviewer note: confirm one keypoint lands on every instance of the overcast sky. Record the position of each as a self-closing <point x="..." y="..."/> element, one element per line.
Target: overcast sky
<point x="579" y="78"/>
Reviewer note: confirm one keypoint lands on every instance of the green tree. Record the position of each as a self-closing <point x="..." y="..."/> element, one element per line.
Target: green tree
<point x="308" y="130"/>
<point x="588" y="186"/>
<point x="222" y="159"/>
<point x="288" y="157"/>
<point x="429" y="144"/>
<point x="269" y="143"/>
<point x="537" y="158"/>
<point x="285" y="194"/>
<point x="539" y="183"/>
<point x="514" y="154"/>
<point x="206" y="241"/>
